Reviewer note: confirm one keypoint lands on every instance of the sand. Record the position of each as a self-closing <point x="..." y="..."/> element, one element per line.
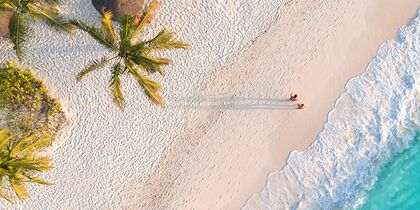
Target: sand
<point x="241" y="127"/>
<point x="103" y="152"/>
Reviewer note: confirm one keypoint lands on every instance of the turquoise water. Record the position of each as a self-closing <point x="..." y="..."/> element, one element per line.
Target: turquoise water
<point x="398" y="185"/>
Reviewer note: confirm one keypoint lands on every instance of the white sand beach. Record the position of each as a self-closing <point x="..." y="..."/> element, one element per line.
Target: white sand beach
<point x="244" y="127"/>
<point x="227" y="123"/>
<point x="103" y="152"/>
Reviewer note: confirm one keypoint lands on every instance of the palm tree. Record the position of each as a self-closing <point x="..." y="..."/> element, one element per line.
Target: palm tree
<point x="19" y="161"/>
<point x="130" y="55"/>
<point x="25" y="11"/>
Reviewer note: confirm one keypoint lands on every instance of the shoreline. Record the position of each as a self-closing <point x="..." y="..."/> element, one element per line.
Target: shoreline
<point x="220" y="168"/>
<point x="376" y="116"/>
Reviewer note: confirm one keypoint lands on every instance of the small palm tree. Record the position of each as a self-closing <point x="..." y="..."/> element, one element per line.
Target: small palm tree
<point x="19" y="161"/>
<point x="130" y="56"/>
<point x="26" y="10"/>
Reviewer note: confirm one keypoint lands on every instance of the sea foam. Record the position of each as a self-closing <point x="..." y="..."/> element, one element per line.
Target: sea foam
<point x="376" y="116"/>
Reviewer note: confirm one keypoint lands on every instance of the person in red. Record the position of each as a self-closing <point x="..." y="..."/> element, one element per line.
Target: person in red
<point x="293" y="97"/>
<point x="300" y="106"/>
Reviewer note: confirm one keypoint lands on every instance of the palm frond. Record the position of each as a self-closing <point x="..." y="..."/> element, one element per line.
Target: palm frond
<point x="150" y="86"/>
<point x="38" y="180"/>
<point x="23" y="164"/>
<point x="5" y="137"/>
<point x="6" y="5"/>
<point x="37" y="145"/>
<point x="94" y="65"/>
<point x="52" y="2"/>
<point x="18" y="31"/>
<point x="125" y="31"/>
<point x="146" y="17"/>
<point x="22" y="144"/>
<point x="115" y="86"/>
<point x="96" y="33"/>
<point x="55" y="20"/>
<point x="34" y="164"/>
<point x="164" y="40"/>
<point x="150" y="64"/>
<point x="41" y="164"/>
<point x="107" y="24"/>
<point x="4" y="172"/>
<point x="20" y="190"/>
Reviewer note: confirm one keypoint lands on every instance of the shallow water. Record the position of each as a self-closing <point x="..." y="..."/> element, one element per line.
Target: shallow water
<point x="398" y="184"/>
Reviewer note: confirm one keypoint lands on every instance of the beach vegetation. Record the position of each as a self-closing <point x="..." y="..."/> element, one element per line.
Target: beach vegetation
<point x="20" y="162"/>
<point x="130" y="54"/>
<point x="25" y="105"/>
<point x="26" y="11"/>
<point x="29" y="120"/>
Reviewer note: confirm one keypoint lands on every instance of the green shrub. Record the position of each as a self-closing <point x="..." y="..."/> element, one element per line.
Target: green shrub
<point x="25" y="105"/>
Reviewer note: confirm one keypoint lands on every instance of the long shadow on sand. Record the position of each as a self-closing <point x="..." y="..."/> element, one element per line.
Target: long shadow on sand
<point x="230" y="103"/>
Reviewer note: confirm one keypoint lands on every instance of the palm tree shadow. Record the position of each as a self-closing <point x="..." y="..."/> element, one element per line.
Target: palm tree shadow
<point x="231" y="103"/>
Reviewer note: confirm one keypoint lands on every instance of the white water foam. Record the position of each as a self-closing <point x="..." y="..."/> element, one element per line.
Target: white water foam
<point x="377" y="115"/>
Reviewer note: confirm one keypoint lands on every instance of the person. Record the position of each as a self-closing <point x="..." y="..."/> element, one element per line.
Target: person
<point x="293" y="97"/>
<point x="300" y="106"/>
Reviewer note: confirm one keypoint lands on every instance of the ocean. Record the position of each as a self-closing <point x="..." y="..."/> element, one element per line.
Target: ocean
<point x="355" y="160"/>
<point x="398" y="184"/>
